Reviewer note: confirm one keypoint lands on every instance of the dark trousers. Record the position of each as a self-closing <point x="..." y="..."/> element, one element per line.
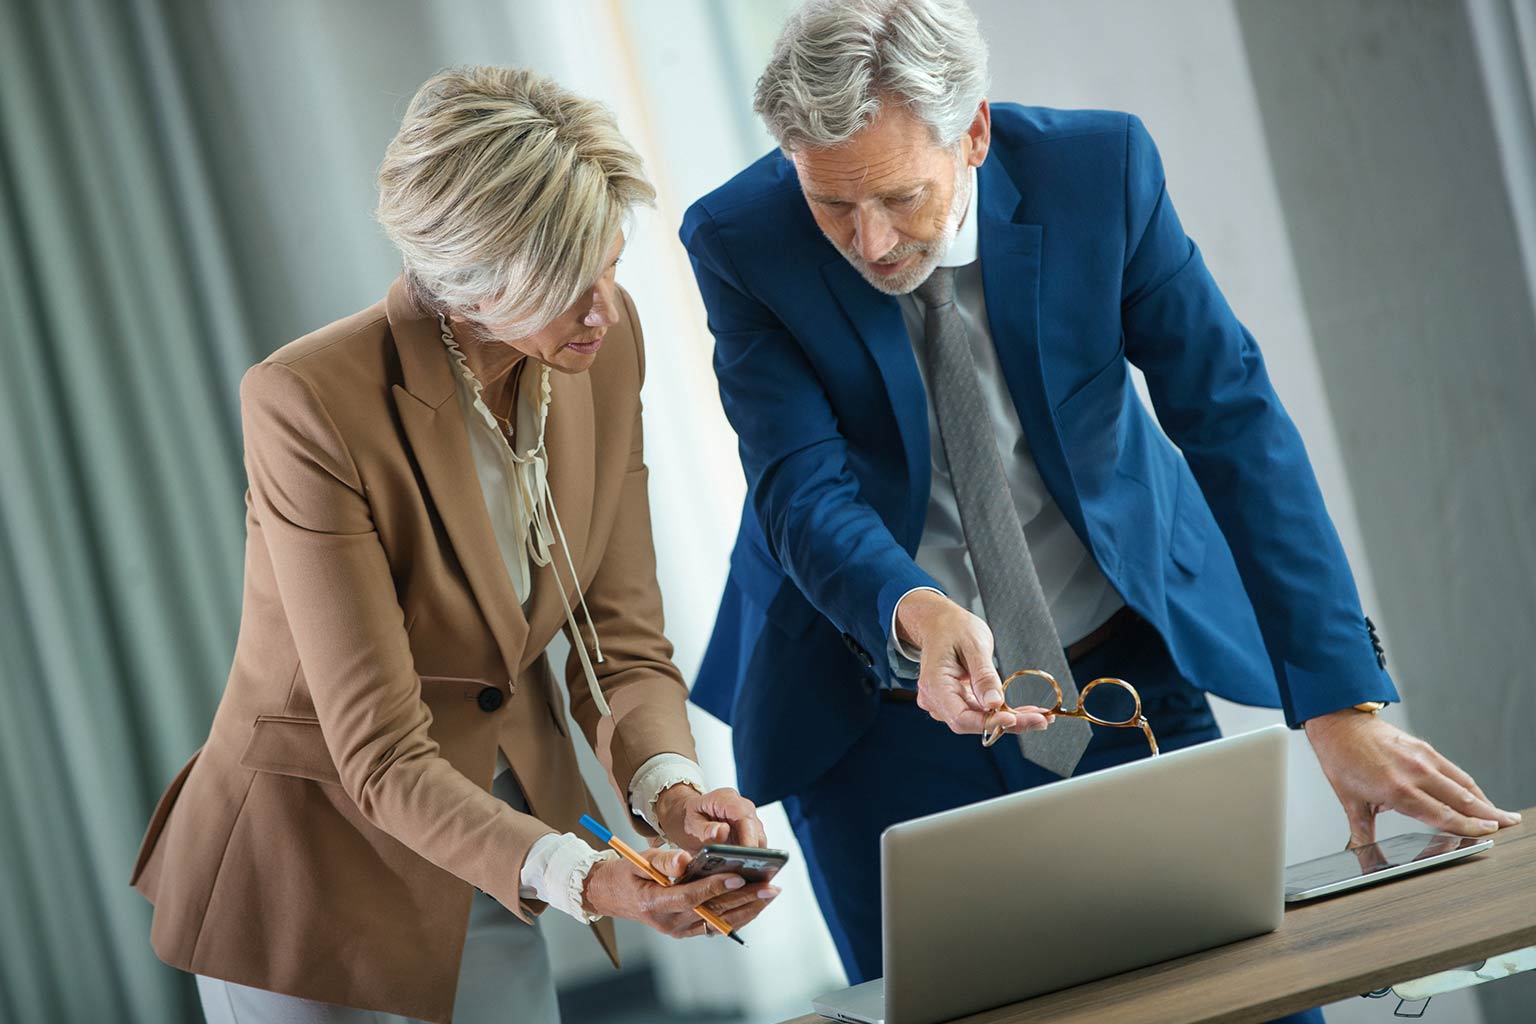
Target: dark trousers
<point x="907" y="765"/>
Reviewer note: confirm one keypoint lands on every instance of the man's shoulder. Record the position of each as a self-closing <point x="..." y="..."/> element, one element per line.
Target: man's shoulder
<point x="766" y="185"/>
<point x="1015" y="126"/>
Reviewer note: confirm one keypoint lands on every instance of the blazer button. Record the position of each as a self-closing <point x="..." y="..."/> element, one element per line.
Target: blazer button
<point x="858" y="651"/>
<point x="489" y="699"/>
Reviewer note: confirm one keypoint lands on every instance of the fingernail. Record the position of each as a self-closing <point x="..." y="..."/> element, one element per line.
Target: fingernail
<point x="1513" y="816"/>
<point x="768" y="893"/>
<point x="992" y="697"/>
<point x="1491" y="825"/>
<point x="735" y="883"/>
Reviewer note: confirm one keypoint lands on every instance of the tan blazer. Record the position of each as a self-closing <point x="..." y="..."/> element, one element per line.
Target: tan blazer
<point x="325" y="839"/>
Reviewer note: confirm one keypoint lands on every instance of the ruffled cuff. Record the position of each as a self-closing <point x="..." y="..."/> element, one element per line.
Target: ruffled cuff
<point x="655" y="776"/>
<point x="556" y="869"/>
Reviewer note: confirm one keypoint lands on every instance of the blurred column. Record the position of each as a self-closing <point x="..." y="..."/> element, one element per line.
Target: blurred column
<point x="1407" y="232"/>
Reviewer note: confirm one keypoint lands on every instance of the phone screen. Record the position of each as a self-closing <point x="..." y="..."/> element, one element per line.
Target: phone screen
<point x="1371" y="859"/>
<point x="751" y="863"/>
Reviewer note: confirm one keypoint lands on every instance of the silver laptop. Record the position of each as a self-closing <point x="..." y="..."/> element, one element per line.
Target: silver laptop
<point x="1078" y="880"/>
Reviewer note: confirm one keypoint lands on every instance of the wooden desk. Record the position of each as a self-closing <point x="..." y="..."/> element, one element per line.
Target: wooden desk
<point x="1325" y="951"/>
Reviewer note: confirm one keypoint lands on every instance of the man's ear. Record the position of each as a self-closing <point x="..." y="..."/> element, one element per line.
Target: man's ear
<point x="979" y="135"/>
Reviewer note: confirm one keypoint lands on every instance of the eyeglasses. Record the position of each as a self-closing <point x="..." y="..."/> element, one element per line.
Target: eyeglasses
<point x="990" y="734"/>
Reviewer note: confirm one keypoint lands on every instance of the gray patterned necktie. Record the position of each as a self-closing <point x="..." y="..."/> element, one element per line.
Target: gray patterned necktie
<point x="1022" y="628"/>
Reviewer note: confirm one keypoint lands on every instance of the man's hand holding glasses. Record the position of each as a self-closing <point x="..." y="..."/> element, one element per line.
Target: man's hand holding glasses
<point x="957" y="683"/>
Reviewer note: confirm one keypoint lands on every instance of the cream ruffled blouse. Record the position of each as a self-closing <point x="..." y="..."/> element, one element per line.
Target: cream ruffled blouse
<point x="514" y="477"/>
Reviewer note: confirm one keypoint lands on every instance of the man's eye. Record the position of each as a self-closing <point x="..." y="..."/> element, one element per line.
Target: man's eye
<point x="905" y="200"/>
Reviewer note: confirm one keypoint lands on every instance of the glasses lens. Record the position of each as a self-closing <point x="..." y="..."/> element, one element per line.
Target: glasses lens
<point x="1028" y="690"/>
<point x="1111" y="703"/>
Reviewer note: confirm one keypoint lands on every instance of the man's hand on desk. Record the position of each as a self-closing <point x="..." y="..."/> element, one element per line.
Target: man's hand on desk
<point x="692" y="819"/>
<point x="957" y="684"/>
<point x="1374" y="766"/>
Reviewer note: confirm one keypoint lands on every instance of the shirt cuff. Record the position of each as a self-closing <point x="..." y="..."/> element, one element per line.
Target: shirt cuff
<point x="555" y="871"/>
<point x="905" y="662"/>
<point x="655" y="776"/>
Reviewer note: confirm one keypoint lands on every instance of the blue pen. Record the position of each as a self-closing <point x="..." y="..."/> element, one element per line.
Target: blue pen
<point x="626" y="851"/>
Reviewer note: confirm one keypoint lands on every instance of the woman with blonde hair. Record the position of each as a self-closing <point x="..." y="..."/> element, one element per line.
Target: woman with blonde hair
<point x="388" y="796"/>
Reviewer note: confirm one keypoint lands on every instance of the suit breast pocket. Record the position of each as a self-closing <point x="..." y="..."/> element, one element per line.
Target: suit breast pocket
<point x="1092" y="424"/>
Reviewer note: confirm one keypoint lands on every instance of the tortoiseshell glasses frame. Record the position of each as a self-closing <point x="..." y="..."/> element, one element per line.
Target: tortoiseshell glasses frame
<point x="991" y="734"/>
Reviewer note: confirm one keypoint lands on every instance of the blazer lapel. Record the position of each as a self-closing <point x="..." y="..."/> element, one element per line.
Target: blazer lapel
<point x="1010" y="275"/>
<point x="434" y="426"/>
<point x="571" y="447"/>
<point x="876" y="318"/>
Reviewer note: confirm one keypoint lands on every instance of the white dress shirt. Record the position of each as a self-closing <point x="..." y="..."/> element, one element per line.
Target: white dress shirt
<point x="1080" y="596"/>
<point x="514" y="485"/>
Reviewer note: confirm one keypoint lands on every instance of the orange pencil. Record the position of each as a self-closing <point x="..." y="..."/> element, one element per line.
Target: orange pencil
<point x="626" y="851"/>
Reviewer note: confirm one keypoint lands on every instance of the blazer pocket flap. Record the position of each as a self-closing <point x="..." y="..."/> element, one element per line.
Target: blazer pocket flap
<point x="286" y="745"/>
<point x="1187" y="544"/>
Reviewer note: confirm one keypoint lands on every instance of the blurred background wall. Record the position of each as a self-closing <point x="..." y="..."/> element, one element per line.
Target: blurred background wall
<point x="185" y="186"/>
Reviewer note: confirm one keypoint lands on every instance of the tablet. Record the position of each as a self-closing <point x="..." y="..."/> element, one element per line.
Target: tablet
<point x="1377" y="862"/>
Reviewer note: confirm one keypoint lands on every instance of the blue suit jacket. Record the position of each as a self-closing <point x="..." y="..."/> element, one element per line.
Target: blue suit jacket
<point x="1220" y="538"/>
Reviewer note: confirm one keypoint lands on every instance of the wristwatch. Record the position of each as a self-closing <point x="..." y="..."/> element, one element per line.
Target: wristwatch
<point x="1371" y="707"/>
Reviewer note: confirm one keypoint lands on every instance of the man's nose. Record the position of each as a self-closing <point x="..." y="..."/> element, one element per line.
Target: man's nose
<point x="873" y="236"/>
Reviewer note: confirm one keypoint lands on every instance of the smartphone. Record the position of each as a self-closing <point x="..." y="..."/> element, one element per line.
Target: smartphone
<point x="1376" y="862"/>
<point x="750" y="862"/>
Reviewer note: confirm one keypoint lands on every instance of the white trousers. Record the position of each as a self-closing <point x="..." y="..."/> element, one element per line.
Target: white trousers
<point x="504" y="977"/>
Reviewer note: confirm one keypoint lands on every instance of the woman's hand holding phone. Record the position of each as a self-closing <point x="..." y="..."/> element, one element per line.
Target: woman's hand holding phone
<point x="616" y="888"/>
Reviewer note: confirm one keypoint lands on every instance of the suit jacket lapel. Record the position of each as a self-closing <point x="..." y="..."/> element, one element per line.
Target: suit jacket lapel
<point x="434" y="427"/>
<point x="1010" y="274"/>
<point x="571" y="446"/>
<point x="877" y="319"/>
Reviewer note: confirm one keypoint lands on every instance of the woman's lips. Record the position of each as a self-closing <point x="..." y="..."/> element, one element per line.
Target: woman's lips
<point x="586" y="348"/>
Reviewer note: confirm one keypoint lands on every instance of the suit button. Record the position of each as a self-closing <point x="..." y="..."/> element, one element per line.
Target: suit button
<point x="857" y="651"/>
<point x="489" y="699"/>
<point x="1381" y="653"/>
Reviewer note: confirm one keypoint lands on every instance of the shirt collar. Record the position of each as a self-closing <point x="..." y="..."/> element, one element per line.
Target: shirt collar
<point x="964" y="249"/>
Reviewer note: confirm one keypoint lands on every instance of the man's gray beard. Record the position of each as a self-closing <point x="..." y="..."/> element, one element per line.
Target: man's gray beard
<point x="909" y="279"/>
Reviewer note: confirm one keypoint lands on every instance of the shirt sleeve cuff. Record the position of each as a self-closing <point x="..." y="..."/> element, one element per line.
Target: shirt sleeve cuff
<point x="903" y="659"/>
<point x="555" y="871"/>
<point x="655" y="776"/>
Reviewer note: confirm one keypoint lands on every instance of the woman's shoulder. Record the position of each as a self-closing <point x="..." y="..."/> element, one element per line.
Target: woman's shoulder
<point x="346" y="358"/>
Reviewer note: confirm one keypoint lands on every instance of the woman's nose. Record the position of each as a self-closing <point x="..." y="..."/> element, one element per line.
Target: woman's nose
<point x="600" y="315"/>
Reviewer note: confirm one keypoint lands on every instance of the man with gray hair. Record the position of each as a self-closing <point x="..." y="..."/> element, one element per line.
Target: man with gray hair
<point x="925" y="307"/>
